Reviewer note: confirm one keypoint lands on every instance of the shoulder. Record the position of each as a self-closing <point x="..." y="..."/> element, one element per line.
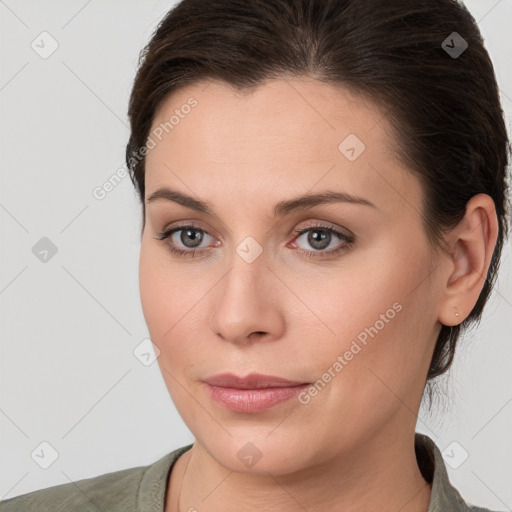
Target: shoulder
<point x="444" y="495"/>
<point x="90" y="494"/>
<point x="121" y="491"/>
<point x="473" y="508"/>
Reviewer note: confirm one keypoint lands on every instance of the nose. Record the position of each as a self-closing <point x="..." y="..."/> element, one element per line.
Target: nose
<point x="246" y="306"/>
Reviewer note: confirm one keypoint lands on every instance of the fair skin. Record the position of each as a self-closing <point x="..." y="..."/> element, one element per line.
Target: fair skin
<point x="351" y="447"/>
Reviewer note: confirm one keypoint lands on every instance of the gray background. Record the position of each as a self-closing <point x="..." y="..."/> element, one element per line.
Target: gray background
<point x="69" y="325"/>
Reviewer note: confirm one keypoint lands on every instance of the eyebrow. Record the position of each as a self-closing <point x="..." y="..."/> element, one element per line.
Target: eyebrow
<point x="280" y="209"/>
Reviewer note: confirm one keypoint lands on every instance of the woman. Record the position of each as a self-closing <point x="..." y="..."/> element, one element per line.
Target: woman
<point x="323" y="188"/>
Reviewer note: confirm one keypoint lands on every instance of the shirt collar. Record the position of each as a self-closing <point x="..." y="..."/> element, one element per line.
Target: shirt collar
<point x="432" y="466"/>
<point x="152" y="488"/>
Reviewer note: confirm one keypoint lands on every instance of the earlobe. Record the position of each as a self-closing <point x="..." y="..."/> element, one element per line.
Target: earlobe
<point x="472" y="241"/>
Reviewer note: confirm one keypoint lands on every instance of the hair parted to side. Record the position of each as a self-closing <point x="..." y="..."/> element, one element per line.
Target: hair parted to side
<point x="445" y="112"/>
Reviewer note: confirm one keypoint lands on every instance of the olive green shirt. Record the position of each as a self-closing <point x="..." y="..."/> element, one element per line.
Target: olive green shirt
<point x="143" y="488"/>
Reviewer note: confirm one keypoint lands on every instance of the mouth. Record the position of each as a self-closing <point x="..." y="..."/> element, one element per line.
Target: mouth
<point x="253" y="393"/>
<point x="251" y="381"/>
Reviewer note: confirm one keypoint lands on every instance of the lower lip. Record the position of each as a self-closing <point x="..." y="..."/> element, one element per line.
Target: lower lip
<point x="253" y="400"/>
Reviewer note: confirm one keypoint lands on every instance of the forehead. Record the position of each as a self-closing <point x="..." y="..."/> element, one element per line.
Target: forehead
<point x="286" y="134"/>
<point x="286" y="107"/>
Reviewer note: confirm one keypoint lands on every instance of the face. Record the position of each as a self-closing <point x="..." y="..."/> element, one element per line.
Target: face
<point x="339" y="295"/>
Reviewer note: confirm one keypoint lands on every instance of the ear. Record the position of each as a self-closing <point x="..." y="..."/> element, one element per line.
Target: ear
<point x="470" y="246"/>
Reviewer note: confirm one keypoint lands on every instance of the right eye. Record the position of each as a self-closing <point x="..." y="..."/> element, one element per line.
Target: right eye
<point x="189" y="236"/>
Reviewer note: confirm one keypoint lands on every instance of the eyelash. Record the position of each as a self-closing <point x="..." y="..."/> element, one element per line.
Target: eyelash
<point x="349" y="240"/>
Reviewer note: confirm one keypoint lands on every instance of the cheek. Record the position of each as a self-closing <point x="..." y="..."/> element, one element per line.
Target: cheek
<point x="174" y="314"/>
<point x="351" y="300"/>
<point x="375" y="317"/>
<point x="161" y="296"/>
<point x="162" y="293"/>
<point x="151" y="293"/>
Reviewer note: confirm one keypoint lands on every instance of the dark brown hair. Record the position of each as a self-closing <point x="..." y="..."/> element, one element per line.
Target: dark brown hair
<point x="444" y="108"/>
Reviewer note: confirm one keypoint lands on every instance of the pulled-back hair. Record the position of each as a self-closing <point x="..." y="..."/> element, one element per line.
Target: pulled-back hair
<point x="443" y="106"/>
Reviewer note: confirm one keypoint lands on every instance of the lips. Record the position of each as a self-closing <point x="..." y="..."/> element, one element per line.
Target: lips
<point x="252" y="394"/>
<point x="251" y="381"/>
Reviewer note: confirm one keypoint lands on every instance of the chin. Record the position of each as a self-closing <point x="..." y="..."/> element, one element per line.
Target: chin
<point x="257" y="454"/>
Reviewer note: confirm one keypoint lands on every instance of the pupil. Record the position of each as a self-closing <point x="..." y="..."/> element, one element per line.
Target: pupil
<point x="317" y="239"/>
<point x="196" y="239"/>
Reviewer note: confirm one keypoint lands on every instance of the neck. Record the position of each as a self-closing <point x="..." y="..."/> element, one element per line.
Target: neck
<point x="381" y="474"/>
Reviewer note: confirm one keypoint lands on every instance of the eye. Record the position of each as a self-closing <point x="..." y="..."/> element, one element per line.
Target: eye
<point x="188" y="236"/>
<point x="320" y="237"/>
<point x="187" y="240"/>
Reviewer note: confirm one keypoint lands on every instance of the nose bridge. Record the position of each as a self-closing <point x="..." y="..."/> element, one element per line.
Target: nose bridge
<point x="245" y="300"/>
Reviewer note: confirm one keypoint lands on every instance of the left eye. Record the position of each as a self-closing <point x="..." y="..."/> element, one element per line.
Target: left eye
<point x="321" y="237"/>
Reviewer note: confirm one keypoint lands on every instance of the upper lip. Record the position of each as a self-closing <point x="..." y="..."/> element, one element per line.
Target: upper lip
<point x="251" y="381"/>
